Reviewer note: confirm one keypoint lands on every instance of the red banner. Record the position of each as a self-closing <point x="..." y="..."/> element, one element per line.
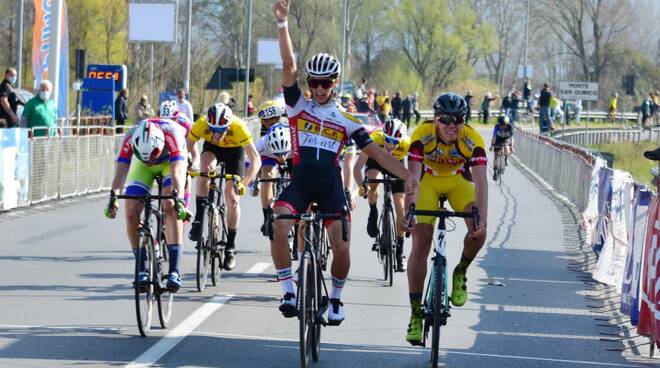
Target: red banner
<point x="649" y="315"/>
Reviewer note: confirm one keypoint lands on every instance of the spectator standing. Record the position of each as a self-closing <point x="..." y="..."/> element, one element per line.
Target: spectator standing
<point x="555" y="110"/>
<point x="363" y="87"/>
<point x="505" y="107"/>
<point x="655" y="106"/>
<point x="578" y="111"/>
<point x="468" y="101"/>
<point x="646" y="110"/>
<point x="185" y="107"/>
<point x="363" y="105"/>
<point x="121" y="109"/>
<point x="515" y="104"/>
<point x="9" y="100"/>
<point x="40" y="111"/>
<point x="485" y="107"/>
<point x="396" y="105"/>
<point x="532" y="103"/>
<point x="527" y="91"/>
<point x="371" y="100"/>
<point x="406" y="110"/>
<point x="250" y="106"/>
<point x="544" y="108"/>
<point x="613" y="107"/>
<point x="143" y="110"/>
<point x="415" y="107"/>
<point x="386" y="110"/>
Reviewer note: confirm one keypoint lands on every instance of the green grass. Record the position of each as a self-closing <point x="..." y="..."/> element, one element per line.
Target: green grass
<point x="629" y="157"/>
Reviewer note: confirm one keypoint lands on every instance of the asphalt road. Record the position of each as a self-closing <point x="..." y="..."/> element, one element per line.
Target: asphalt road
<point x="66" y="298"/>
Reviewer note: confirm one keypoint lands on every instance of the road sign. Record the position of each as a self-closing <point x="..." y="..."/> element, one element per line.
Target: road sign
<point x="268" y="52"/>
<point x="587" y="91"/>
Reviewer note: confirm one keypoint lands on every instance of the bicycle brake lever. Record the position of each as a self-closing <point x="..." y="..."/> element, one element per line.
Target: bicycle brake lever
<point x="408" y="218"/>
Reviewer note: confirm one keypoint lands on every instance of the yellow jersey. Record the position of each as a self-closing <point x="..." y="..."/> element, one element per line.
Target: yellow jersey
<point x="446" y="159"/>
<point x="238" y="134"/>
<point x="400" y="151"/>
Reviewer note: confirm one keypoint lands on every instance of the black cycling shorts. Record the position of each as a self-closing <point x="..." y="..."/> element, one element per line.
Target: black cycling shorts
<point x="397" y="187"/>
<point x="314" y="184"/>
<point x="233" y="158"/>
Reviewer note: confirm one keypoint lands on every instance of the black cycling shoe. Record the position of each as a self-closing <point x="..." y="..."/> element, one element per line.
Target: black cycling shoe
<point x="230" y="259"/>
<point x="372" y="224"/>
<point x="401" y="265"/>
<point x="195" y="229"/>
<point x="288" y="305"/>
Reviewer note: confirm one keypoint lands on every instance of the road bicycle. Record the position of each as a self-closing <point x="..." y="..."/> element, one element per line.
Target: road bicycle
<point x="386" y="239"/>
<point x="435" y="307"/>
<point x="280" y="183"/>
<point x="212" y="239"/>
<point x="501" y="164"/>
<point x="312" y="291"/>
<point x="153" y="246"/>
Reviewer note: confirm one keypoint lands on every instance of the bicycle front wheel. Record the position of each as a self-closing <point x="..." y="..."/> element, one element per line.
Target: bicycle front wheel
<point x="318" y="303"/>
<point x="388" y="242"/>
<point x="438" y="310"/>
<point x="164" y="298"/>
<point x="144" y="293"/>
<point x="203" y="254"/>
<point x="218" y="241"/>
<point x="305" y="313"/>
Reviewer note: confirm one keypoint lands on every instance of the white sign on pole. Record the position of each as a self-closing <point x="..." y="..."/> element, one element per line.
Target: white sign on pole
<point x="268" y="52"/>
<point x="152" y="21"/>
<point x="521" y="71"/>
<point x="587" y="91"/>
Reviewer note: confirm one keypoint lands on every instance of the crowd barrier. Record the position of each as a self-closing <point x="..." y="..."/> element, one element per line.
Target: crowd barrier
<point x="583" y="137"/>
<point x="621" y="218"/>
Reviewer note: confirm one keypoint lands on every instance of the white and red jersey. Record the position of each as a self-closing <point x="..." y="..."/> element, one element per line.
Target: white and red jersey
<point x="175" y="142"/>
<point x="319" y="133"/>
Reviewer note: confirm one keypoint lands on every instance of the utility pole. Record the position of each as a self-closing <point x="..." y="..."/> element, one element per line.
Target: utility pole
<point x="526" y="41"/>
<point x="186" y="72"/>
<point x="19" y="43"/>
<point x="343" y="45"/>
<point x="247" y="70"/>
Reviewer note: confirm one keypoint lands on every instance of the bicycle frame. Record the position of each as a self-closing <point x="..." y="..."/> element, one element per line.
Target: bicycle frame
<point x="439" y="260"/>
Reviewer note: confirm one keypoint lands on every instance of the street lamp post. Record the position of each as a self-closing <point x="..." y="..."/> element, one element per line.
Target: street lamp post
<point x="247" y="70"/>
<point x="186" y="72"/>
<point x="19" y="43"/>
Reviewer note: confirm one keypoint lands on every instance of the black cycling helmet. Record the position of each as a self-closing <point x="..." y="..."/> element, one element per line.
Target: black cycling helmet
<point x="450" y="104"/>
<point x="503" y="120"/>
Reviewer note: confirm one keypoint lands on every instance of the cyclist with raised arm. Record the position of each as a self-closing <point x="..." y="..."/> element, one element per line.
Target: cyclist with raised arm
<point x="274" y="148"/>
<point x="226" y="140"/>
<point x="502" y="142"/>
<point x="393" y="138"/>
<point x="440" y="148"/>
<point x="319" y="132"/>
<point x="160" y="148"/>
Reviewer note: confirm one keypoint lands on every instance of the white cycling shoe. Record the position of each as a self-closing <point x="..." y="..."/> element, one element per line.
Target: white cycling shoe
<point x="335" y="312"/>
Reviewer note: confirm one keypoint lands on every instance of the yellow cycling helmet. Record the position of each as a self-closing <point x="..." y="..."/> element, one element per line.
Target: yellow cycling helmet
<point x="270" y="109"/>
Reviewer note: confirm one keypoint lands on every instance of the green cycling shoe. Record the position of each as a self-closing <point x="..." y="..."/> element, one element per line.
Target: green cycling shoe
<point x="459" y="293"/>
<point x="414" y="335"/>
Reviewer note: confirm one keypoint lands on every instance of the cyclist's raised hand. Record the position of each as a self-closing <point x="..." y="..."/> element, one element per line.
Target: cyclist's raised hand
<point x="112" y="207"/>
<point x="281" y="10"/>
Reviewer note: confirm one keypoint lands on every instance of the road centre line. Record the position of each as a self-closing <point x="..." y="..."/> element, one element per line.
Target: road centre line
<point x="180" y="332"/>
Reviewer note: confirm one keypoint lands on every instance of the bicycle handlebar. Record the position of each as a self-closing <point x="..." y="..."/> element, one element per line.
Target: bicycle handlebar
<point x="412" y="211"/>
<point x="382" y="181"/>
<point x="273" y="180"/>
<point x="145" y="198"/>
<point x="214" y="175"/>
<point x="310" y="217"/>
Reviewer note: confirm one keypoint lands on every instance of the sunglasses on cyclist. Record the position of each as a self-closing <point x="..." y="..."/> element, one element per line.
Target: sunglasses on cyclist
<point x="449" y="119"/>
<point x="218" y="130"/>
<point x="324" y="83"/>
<point x="281" y="154"/>
<point x="391" y="140"/>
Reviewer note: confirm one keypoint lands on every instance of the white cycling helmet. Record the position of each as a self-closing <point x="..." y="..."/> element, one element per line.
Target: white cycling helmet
<point x="219" y="116"/>
<point x="323" y="66"/>
<point x="394" y="128"/>
<point x="147" y="141"/>
<point x="169" y="109"/>
<point x="278" y="139"/>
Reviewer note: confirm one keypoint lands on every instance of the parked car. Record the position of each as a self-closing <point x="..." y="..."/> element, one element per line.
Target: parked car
<point x="371" y="122"/>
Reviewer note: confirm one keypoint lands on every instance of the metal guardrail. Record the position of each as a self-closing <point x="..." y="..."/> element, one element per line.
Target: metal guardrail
<point x="600" y="115"/>
<point x="565" y="167"/>
<point x="584" y="137"/>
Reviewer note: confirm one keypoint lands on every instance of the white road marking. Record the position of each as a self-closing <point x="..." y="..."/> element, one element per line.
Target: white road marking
<point x="541" y="359"/>
<point x="180" y="332"/>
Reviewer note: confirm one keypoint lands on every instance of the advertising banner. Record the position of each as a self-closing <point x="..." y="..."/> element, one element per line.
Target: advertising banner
<point x="630" y="290"/>
<point x="649" y="312"/>
<point x="602" y="228"/>
<point x="14" y="168"/>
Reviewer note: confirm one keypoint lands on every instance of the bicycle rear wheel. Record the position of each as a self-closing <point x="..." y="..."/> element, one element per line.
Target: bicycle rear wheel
<point x="203" y="254"/>
<point x="305" y="310"/>
<point x="388" y="242"/>
<point x="219" y="239"/>
<point x="292" y="239"/>
<point x="144" y="295"/>
<point x="438" y="310"/>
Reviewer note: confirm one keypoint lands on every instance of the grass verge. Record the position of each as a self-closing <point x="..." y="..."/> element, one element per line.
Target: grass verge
<point x="629" y="157"/>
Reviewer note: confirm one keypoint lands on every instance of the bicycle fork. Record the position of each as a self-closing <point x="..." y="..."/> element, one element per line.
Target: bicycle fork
<point x="439" y="262"/>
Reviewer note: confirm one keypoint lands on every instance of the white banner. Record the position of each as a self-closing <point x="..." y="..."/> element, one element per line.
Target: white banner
<point x="612" y="261"/>
<point x="590" y="214"/>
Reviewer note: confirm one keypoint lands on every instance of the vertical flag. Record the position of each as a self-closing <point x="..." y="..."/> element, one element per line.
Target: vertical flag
<point x="50" y="49"/>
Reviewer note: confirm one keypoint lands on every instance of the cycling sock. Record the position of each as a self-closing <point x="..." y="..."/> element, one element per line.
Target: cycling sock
<point x="337" y="287"/>
<point x="145" y="260"/>
<point x="186" y="199"/>
<point x="175" y="251"/>
<point x="373" y="208"/>
<point x="299" y="256"/>
<point x="231" y="238"/>
<point x="416" y="303"/>
<point x="464" y="263"/>
<point x="285" y="280"/>
<point x="199" y="203"/>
